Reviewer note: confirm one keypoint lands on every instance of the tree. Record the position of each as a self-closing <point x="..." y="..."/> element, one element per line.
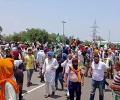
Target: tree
<point x="1" y="29"/>
<point x="52" y="37"/>
<point x="33" y="35"/>
<point x="8" y="38"/>
<point x="0" y="32"/>
<point x="86" y="42"/>
<point x="16" y="37"/>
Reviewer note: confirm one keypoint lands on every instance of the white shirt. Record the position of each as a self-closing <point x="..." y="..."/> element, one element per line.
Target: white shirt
<point x="17" y="63"/>
<point x="41" y="56"/>
<point x="66" y="64"/>
<point x="49" y="68"/>
<point x="98" y="70"/>
<point x="80" y="56"/>
<point x="24" y="52"/>
<point x="10" y="93"/>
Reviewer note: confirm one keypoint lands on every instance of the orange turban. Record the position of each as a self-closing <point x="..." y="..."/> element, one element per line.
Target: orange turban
<point x="7" y="75"/>
<point x="7" y="67"/>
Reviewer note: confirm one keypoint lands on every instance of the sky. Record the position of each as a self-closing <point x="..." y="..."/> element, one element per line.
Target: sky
<point x="17" y="15"/>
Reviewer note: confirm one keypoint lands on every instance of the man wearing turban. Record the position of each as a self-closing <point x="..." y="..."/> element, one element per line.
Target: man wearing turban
<point x="49" y="69"/>
<point x="9" y="89"/>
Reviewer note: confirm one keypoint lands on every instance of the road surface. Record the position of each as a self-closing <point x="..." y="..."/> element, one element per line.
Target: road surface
<point x="37" y="91"/>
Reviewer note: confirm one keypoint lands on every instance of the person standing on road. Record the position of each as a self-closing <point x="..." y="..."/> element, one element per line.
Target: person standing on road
<point x="115" y="85"/>
<point x="49" y="71"/>
<point x="97" y="71"/>
<point x="76" y="79"/>
<point x="66" y="64"/>
<point x="59" y="74"/>
<point x="40" y="61"/>
<point x="18" y="73"/>
<point x="30" y="65"/>
<point x="9" y="90"/>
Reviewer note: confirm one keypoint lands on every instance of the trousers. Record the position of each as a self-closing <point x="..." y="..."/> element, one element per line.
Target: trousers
<point x="47" y="87"/>
<point x="74" y="87"/>
<point x="95" y="85"/>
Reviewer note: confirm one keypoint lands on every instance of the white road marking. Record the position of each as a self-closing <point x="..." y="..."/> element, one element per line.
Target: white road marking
<point x="33" y="89"/>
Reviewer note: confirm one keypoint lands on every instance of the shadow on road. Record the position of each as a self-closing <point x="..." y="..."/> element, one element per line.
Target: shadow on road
<point x="34" y="84"/>
<point x="107" y="90"/>
<point x="24" y="91"/>
<point x="55" y="96"/>
<point x="60" y="90"/>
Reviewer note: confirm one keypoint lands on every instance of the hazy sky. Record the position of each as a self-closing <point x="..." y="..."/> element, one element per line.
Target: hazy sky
<point x="17" y="15"/>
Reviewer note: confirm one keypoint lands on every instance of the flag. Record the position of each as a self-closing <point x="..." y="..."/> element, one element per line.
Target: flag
<point x="58" y="38"/>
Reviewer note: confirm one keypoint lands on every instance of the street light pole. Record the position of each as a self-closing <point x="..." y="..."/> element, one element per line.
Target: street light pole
<point x="63" y="22"/>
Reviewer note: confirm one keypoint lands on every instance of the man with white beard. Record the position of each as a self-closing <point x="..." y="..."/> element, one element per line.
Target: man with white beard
<point x="49" y="69"/>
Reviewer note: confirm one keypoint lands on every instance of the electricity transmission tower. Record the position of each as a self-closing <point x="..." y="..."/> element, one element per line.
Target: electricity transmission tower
<point x="94" y="31"/>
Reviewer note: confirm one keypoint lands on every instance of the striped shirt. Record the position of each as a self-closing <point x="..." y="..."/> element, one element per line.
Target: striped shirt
<point x="117" y="79"/>
<point x="117" y="82"/>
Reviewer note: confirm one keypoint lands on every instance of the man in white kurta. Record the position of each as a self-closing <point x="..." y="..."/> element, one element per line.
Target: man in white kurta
<point x="49" y="69"/>
<point x="40" y="60"/>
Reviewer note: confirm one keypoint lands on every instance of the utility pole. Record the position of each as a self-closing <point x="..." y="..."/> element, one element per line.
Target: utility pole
<point x="94" y="31"/>
<point x="109" y="36"/>
<point x="63" y="22"/>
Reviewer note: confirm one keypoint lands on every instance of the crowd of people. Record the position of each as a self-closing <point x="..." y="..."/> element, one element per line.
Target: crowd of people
<point x="68" y="64"/>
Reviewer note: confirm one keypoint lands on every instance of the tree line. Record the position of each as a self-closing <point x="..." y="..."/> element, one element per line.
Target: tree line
<point x="34" y="35"/>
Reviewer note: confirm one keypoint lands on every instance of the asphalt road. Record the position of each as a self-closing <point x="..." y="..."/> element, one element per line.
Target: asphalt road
<point x="37" y="91"/>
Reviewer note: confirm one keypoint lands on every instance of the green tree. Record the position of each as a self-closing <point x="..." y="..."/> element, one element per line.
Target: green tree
<point x="33" y="35"/>
<point x="37" y="35"/>
<point x="16" y="37"/>
<point x="52" y="37"/>
<point x="86" y="42"/>
<point x="8" y="38"/>
<point x="1" y="29"/>
<point x="0" y="32"/>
